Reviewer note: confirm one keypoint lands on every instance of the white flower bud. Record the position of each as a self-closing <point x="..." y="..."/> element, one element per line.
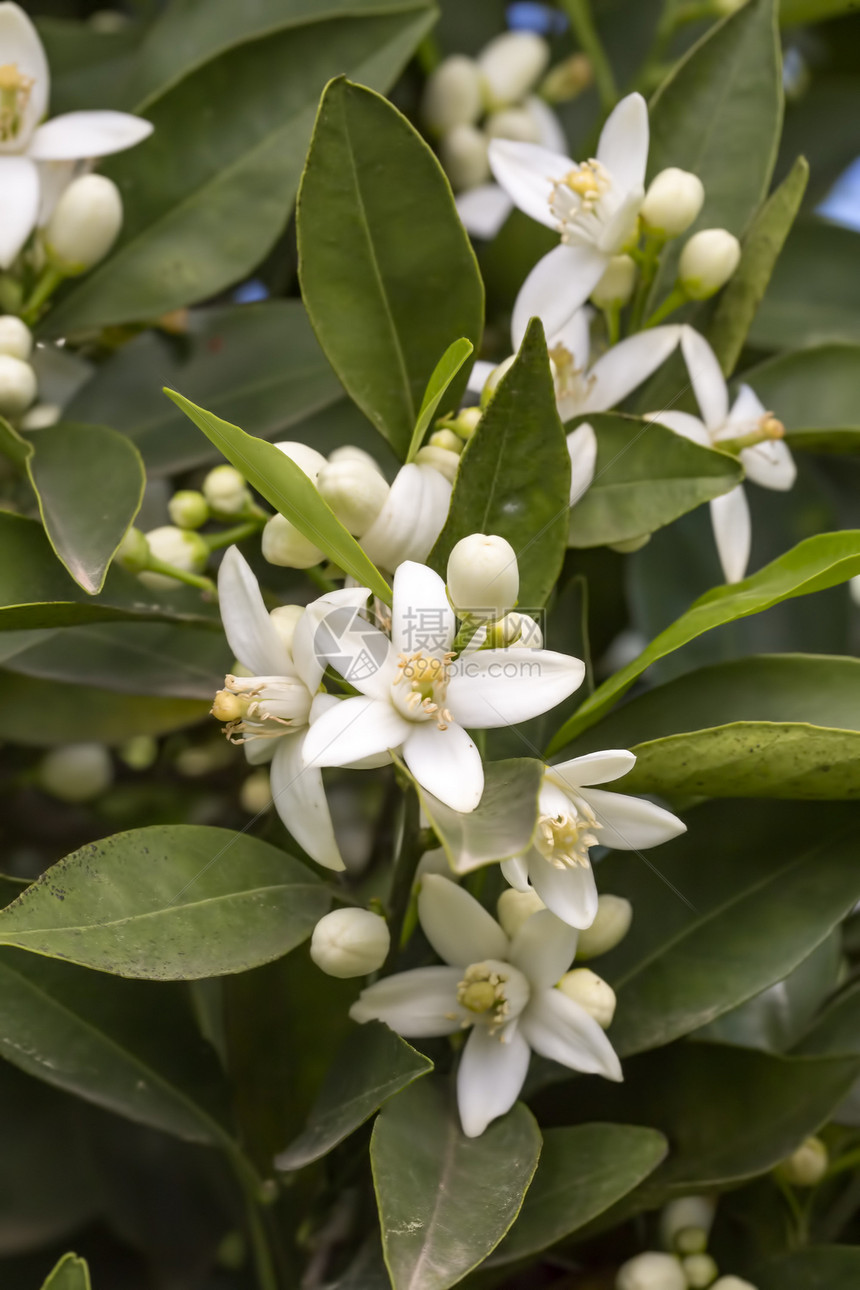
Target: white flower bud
<point x="611" y="924"/>
<point x="133" y="551"/>
<point x="452" y="95"/>
<point x="673" y="200"/>
<point x="226" y="491"/>
<point x="686" y="1214"/>
<point x="514" y="907"/>
<point x="483" y="576"/>
<point x="510" y="65"/>
<point x="349" y="452"/>
<point x="76" y="772"/>
<point x="350" y="942"/>
<point x="284" y="545"/>
<point x="255" y="795"/>
<point x="464" y="153"/>
<point x="592" y="993"/>
<point x="16" y="339"/>
<point x="700" y="1270"/>
<point x="441" y="459"/>
<point x="306" y="458"/>
<point x="707" y="262"/>
<point x="446" y="439"/>
<point x="492" y="382"/>
<point x="355" y="491"/>
<point x="616" y="286"/>
<point x="732" y="1283"/>
<point x="516" y="123"/>
<point x="651" y="1271"/>
<point x="806" y="1166"/>
<point x="515" y="631"/>
<point x="84" y="225"/>
<point x="41" y="416"/>
<point x="285" y="619"/>
<point x="179" y="547"/>
<point x="188" y="509"/>
<point x="17" y="386"/>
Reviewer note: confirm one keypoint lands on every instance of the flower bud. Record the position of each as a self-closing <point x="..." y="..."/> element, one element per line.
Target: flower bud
<point x="651" y="1271"/>
<point x="686" y="1222"/>
<point x="466" y="423"/>
<point x="355" y="491"/>
<point x="255" y="795"/>
<point x="510" y="65"/>
<point x="140" y="751"/>
<point x="284" y="545"/>
<point x="350" y="942"/>
<point x="285" y="619"/>
<point x="516" y="631"/>
<point x="84" y="225"/>
<point x="707" y="262"/>
<point x="514" y="907"/>
<point x="464" y="153"/>
<point x="16" y="339"/>
<point x="592" y="993"/>
<point x="349" y="452"/>
<point x="226" y="492"/>
<point x="178" y="547"/>
<point x="616" y="286"/>
<point x="854" y="589"/>
<point x="441" y="459"/>
<point x="306" y="458"/>
<point x="567" y="79"/>
<point x="492" y="382"/>
<point x="76" y="772"/>
<point x="732" y="1283"/>
<point x="452" y="95"/>
<point x="673" y="200"/>
<point x="700" y="1270"/>
<point x="41" y="416"/>
<point x="483" y="576"/>
<point x="133" y="551"/>
<point x="446" y="439"/>
<point x="17" y="386"/>
<point x="611" y="924"/>
<point x="188" y="509"/>
<point x="806" y="1166"/>
<point x="516" y="123"/>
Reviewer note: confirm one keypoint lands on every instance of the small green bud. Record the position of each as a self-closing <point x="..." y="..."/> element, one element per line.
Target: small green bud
<point x="133" y="551"/>
<point x="188" y="509"/>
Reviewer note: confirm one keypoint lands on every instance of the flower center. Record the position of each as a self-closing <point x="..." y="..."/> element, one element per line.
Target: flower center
<point x="571" y="382"/>
<point x="564" y="839"/>
<point x="15" y="90"/>
<point x="261" y="707"/>
<point x="420" y="685"/>
<point x="578" y="201"/>
<point x="494" y="992"/>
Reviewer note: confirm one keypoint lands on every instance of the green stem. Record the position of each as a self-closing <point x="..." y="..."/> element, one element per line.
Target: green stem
<point x="612" y="316"/>
<point x="267" y="1276"/>
<point x="676" y="297"/>
<point x="648" y="262"/>
<point x="409" y="851"/>
<point x="582" y="24"/>
<point x="182" y="575"/>
<point x="45" y="287"/>
<point x="216" y="541"/>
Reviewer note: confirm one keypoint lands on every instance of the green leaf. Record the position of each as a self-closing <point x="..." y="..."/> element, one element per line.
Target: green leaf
<point x="172" y="902"/>
<point x="387" y="270"/>
<point x="290" y="491"/>
<point x="71" y="1273"/>
<point x="443" y="374"/>
<point x="834" y="1267"/>
<point x="582" y="1171"/>
<point x="514" y="475"/>
<point x="12" y="446"/>
<point x="210" y="191"/>
<point x="645" y="477"/>
<point x="814" y="394"/>
<point x="835" y="1032"/>
<point x="801" y="11"/>
<point x="738" y="303"/>
<point x="814" y="294"/>
<point x="445" y="1200"/>
<point x="371" y="1067"/>
<point x="819" y="562"/>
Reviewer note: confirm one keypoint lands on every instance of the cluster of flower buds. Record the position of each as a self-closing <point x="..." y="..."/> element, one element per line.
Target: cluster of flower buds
<point x="685" y="1227"/>
<point x="18" y="384"/>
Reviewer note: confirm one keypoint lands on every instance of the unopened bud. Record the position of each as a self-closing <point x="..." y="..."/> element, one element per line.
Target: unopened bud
<point x="651" y="1271"/>
<point x="700" y="1270"/>
<point x="464" y="153"/>
<point x="616" y="286"/>
<point x="441" y="459"/>
<point x="226" y="492"/>
<point x="806" y="1166"/>
<point x="516" y="123"/>
<point x="355" y="491"/>
<point x="707" y="262"/>
<point x="350" y="942"/>
<point x="133" y="551"/>
<point x="466" y="422"/>
<point x="84" y="225"/>
<point x="611" y="924"/>
<point x="732" y="1283"/>
<point x="76" y="772"/>
<point x="492" y="382"/>
<point x="673" y="200"/>
<point x="16" y="339"/>
<point x="514" y="907"/>
<point x="349" y="452"/>
<point x="514" y="631"/>
<point x="483" y="576"/>
<point x="452" y="95"/>
<point x="510" y="65"/>
<point x="686" y="1222"/>
<point x="255" y="795"/>
<point x="306" y="458"/>
<point x="17" y="386"/>
<point x="446" y="439"/>
<point x="188" y="509"/>
<point x="284" y="545"/>
<point x="177" y="547"/>
<point x="285" y="620"/>
<point x="592" y="994"/>
<point x="139" y="752"/>
<point x="567" y="80"/>
<point x="41" y="416"/>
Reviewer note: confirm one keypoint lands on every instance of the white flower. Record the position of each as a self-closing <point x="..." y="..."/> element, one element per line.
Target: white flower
<point x="503" y="989"/>
<point x="768" y="463"/>
<point x="36" y="161"/>
<point x="417" y="699"/>
<point x="574" y="817"/>
<point x="593" y="205"/>
<point x="411" y="518"/>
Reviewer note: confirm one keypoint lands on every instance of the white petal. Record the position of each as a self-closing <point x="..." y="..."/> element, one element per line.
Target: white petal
<point x="19" y="205"/>
<point x="411" y="518"/>
<point x="621" y="226"/>
<point x="623" y="145"/>
<point x="344" y="639"/>
<point x="421" y="617"/>
<point x="561" y="1030"/>
<point x="527" y="173"/>
<point x="628" y="823"/>
<point x="501" y="687"/>
<point x="730" y="516"/>
<point x="20" y="45"/>
<point x="558" y="285"/>
<point x="446" y="763"/>
<point x="308" y="661"/>
<point x="747" y="410"/>
<point x="77" y="135"/>
<point x="300" y="800"/>
<point x="324" y="703"/>
<point x="54" y="179"/>
<point x="684" y="424"/>
<point x="626" y="365"/>
<point x="571" y="894"/>
<point x="543" y="949"/>
<point x="516" y="872"/>
<point x="483" y="210"/>
<point x="770" y="464"/>
<point x="592" y="768"/>
<point x="707" y="379"/>
<point x="416" y="1004"/>
<point x="356" y="728"/>
<point x="478" y="376"/>
<point x="552" y="136"/>
<point x="582" y="450"/>
<point x="249" y="629"/>
<point x="456" y="925"/>
<point x="492" y="1071"/>
<point x="575" y="336"/>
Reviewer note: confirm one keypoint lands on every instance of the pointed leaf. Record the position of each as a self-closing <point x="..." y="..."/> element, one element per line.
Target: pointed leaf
<point x="443" y="374"/>
<point x="814" y="294"/>
<point x="71" y="1273"/>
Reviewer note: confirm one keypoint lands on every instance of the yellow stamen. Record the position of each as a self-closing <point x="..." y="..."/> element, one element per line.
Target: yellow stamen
<point x="15" y="89"/>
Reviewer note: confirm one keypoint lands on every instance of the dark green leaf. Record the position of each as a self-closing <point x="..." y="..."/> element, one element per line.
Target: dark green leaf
<point x="814" y="394"/>
<point x="443" y="374"/>
<point x="836" y="1031"/>
<point x="71" y="1273"/>
<point x="800" y="11"/>
<point x="12" y="446"/>
<point x="835" y="1267"/>
<point x="388" y="274"/>
<point x="814" y="294"/>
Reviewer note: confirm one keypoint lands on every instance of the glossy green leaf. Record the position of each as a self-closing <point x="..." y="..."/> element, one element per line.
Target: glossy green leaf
<point x="277" y="478"/>
<point x="514" y="475"/>
<point x="582" y="1171"/>
<point x="645" y="477"/>
<point x="836" y="1031"/>
<point x="371" y="1067"/>
<point x="738" y="303"/>
<point x="173" y="902"/>
<point x="388" y="274"/>
<point x="814" y="394"/>
<point x="445" y="1200"/>
<point x="835" y="1267"/>
<point x="210" y="191"/>
<point x="443" y="374"/>
<point x="821" y="561"/>
<point x="41" y="713"/>
<point x="12" y="446"/>
<point x="90" y="68"/>
<point x="71" y="1273"/>
<point x="801" y="11"/>
<point x="814" y="294"/>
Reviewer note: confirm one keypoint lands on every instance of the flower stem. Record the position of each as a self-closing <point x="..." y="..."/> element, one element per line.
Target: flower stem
<point x="582" y="23"/>
<point x="649" y="258"/>
<point x="47" y="284"/>
<point x="612" y="316"/>
<point x="216" y="541"/>
<point x="182" y="575"/>
<point x="676" y="297"/>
